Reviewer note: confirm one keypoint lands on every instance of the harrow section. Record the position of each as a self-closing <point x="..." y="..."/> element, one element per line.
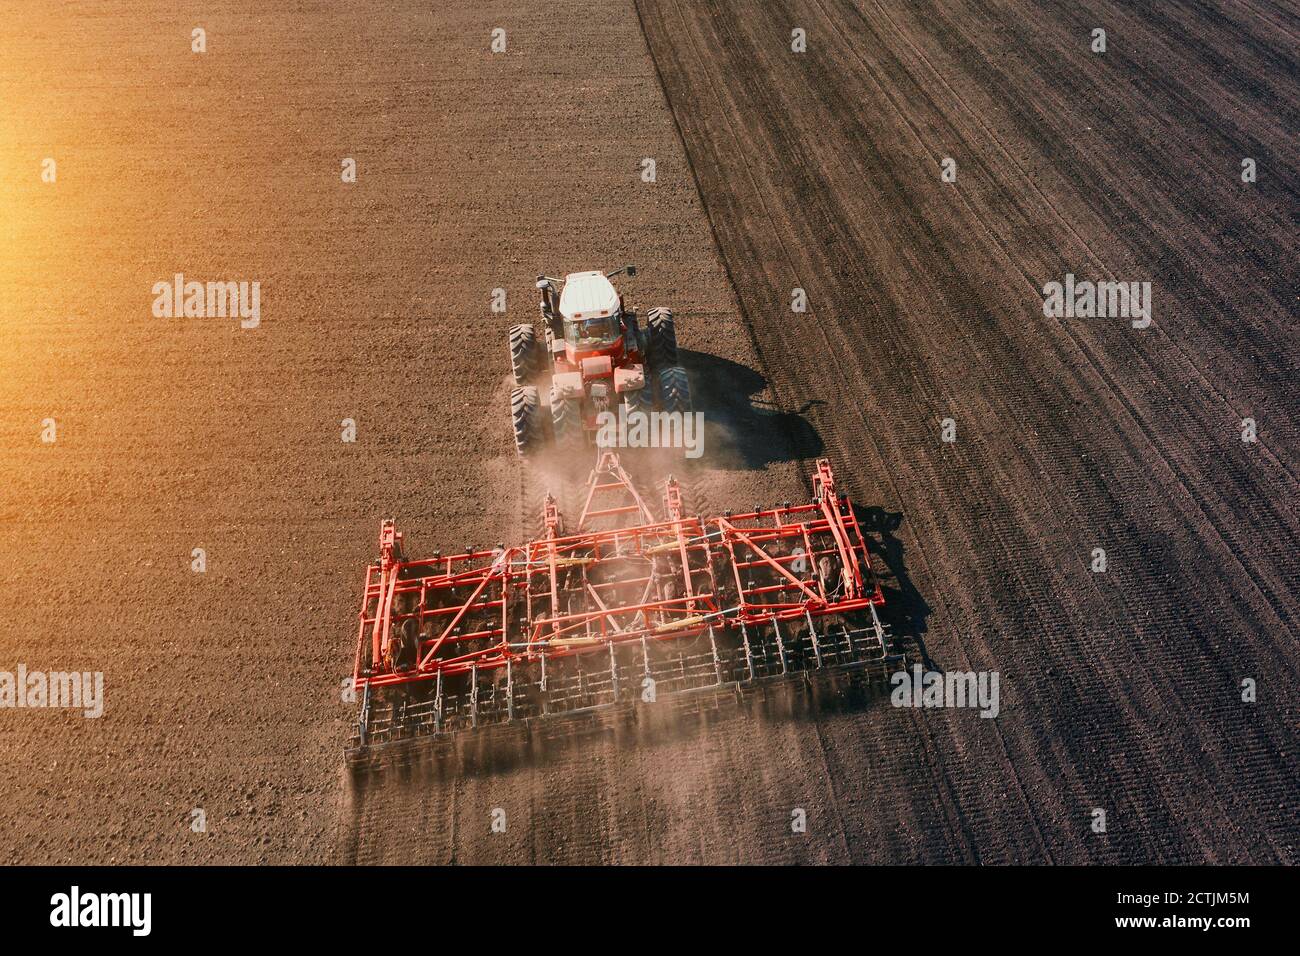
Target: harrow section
<point x="625" y="606"/>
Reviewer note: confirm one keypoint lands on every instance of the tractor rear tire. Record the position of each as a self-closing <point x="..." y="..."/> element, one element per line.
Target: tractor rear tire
<point x="661" y="339"/>
<point x="674" y="390"/>
<point x="525" y="353"/>
<point x="566" y="421"/>
<point x="640" y="400"/>
<point x="526" y="411"/>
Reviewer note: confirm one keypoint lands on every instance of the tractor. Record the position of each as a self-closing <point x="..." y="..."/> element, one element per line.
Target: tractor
<point x="591" y="356"/>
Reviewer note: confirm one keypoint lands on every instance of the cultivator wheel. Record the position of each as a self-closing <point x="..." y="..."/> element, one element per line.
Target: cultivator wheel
<point x="582" y="620"/>
<point x="526" y="354"/>
<point x="526" y="413"/>
<point x="566" y="421"/>
<point x="674" y="390"/>
<point x="661" y="339"/>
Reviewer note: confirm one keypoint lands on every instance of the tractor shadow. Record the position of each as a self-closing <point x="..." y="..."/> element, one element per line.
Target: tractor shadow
<point x="905" y="612"/>
<point x="743" y="432"/>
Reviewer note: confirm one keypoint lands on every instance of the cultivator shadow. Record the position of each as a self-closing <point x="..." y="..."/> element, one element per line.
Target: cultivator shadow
<point x="625" y="608"/>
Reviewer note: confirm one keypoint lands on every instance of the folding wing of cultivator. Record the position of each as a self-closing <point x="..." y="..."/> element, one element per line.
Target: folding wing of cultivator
<point x="623" y="606"/>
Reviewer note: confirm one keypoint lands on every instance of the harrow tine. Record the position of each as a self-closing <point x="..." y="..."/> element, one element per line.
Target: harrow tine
<point x="780" y="645"/>
<point x="473" y="695"/>
<point x="510" y="691"/>
<point x="713" y="648"/>
<point x="365" y="714"/>
<point x="812" y="633"/>
<point x="437" y="719"/>
<point x="749" y="653"/>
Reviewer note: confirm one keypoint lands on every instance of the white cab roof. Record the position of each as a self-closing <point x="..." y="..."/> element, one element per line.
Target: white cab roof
<point x="588" y="295"/>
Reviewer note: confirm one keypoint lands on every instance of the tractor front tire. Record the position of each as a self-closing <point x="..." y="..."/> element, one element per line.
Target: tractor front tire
<point x="674" y="390"/>
<point x="526" y="411"/>
<point x="525" y="353"/>
<point x="661" y="339"/>
<point x="566" y="421"/>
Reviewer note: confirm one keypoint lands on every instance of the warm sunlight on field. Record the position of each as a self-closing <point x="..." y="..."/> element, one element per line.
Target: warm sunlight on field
<point x="1095" y="517"/>
<point x="20" y="194"/>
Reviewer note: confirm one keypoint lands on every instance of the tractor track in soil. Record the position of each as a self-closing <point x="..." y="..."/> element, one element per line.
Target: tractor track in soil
<point x="1119" y="690"/>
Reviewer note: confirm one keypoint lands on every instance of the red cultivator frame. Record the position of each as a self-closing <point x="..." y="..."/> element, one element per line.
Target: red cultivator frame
<point x="624" y="606"/>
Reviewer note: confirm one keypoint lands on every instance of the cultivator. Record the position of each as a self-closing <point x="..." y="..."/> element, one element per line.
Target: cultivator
<point x="623" y="607"/>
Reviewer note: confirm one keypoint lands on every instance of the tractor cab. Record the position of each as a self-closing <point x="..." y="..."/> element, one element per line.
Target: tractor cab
<point x="591" y="314"/>
<point x="584" y="317"/>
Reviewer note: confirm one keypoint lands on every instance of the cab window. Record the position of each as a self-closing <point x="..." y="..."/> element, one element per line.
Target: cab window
<point x="587" y="333"/>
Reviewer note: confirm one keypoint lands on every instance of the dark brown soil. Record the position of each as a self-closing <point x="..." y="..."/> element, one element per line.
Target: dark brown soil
<point x="822" y="171"/>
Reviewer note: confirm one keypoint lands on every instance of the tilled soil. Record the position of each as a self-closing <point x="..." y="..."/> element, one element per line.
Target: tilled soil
<point x="821" y="170"/>
<point x="774" y="170"/>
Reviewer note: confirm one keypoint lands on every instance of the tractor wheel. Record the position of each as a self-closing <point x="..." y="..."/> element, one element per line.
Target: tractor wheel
<point x="661" y="339"/>
<point x="526" y="410"/>
<point x="566" y="421"/>
<point x="674" y="390"/>
<point x="525" y="353"/>
<point x="641" y="400"/>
